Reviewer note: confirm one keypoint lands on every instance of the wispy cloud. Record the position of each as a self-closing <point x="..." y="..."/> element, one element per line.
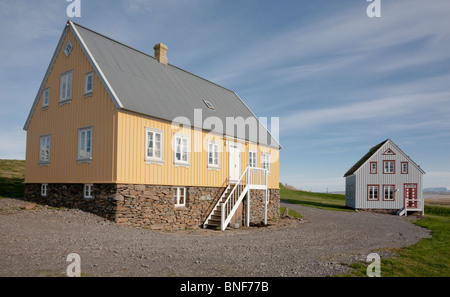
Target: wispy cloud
<point x="384" y="108"/>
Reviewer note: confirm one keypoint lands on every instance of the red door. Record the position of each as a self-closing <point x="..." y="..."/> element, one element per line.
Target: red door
<point x="411" y="195"/>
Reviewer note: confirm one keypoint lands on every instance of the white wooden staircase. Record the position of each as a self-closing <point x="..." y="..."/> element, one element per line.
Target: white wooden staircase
<point x="227" y="205"/>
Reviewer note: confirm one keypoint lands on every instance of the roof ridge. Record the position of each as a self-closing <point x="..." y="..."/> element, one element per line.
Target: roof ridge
<point x="146" y="54"/>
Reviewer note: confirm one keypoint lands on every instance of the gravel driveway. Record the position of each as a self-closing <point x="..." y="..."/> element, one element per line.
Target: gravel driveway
<point x="36" y="242"/>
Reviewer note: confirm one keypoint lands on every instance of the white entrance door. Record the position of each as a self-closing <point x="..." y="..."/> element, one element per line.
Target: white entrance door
<point x="234" y="157"/>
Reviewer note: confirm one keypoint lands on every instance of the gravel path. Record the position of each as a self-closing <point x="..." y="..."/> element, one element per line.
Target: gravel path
<point x="37" y="240"/>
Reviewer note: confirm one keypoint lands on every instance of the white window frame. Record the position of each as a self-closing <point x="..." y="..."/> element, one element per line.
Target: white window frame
<point x="45" y="97"/>
<point x="390" y="169"/>
<point x="65" y="87"/>
<point x="178" y="193"/>
<point x="44" y="149"/>
<point x="88" y="91"/>
<point x="371" y="189"/>
<point x="213" y="154"/>
<point x="150" y="137"/>
<point x="184" y="149"/>
<point x="44" y="188"/>
<point x="265" y="161"/>
<point x="68" y="48"/>
<point x="87" y="191"/>
<point x="385" y="187"/>
<point x="83" y="145"/>
<point x="252" y="158"/>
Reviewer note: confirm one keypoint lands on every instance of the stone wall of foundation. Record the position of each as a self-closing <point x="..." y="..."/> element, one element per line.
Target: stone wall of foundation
<point x="71" y="196"/>
<point x="154" y="206"/>
<point x="257" y="206"/>
<point x="148" y="206"/>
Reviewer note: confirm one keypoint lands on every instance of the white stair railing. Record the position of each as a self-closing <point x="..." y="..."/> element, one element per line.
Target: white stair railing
<point x="252" y="178"/>
<point x="215" y="206"/>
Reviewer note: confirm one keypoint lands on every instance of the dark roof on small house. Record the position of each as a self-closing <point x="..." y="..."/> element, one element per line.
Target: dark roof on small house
<point x="371" y="152"/>
<point x="366" y="157"/>
<point x="138" y="82"/>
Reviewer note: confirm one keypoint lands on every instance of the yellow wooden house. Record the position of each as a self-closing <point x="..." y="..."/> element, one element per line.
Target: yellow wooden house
<point x="134" y="139"/>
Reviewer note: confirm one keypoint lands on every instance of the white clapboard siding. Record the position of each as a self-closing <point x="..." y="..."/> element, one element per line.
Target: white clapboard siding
<point x="362" y="177"/>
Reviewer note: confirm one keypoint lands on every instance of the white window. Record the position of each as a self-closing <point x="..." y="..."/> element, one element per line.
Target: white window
<point x="66" y="86"/>
<point x="389" y="167"/>
<point x="389" y="191"/>
<point x="44" y="190"/>
<point x="266" y="161"/>
<point x="45" y="97"/>
<point x="87" y="191"/>
<point x="154" y="145"/>
<point x="252" y="158"/>
<point x="179" y="196"/>
<point x="44" y="151"/>
<point x="372" y="192"/>
<point x="373" y="167"/>
<point x="85" y="144"/>
<point x="213" y="154"/>
<point x="68" y="48"/>
<point x="181" y="149"/>
<point x="88" y="83"/>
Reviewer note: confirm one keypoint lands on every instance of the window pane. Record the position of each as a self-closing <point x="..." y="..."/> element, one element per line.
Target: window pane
<point x="185" y="150"/>
<point x="150" y="144"/>
<point x="82" y="140"/>
<point x="69" y="85"/>
<point x="181" y="200"/>
<point x="88" y="142"/>
<point x="63" y="87"/>
<point x="178" y="148"/>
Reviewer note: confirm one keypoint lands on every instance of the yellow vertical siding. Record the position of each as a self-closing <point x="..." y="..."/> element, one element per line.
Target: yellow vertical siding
<point x="63" y="121"/>
<point x="132" y="168"/>
<point x="118" y="148"/>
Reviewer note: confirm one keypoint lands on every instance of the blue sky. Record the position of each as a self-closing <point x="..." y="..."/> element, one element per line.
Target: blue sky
<point x="339" y="81"/>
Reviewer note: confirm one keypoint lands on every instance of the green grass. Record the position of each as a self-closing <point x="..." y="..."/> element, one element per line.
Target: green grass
<point x="12" y="175"/>
<point x="291" y="212"/>
<point x="430" y="257"/>
<point x="318" y="200"/>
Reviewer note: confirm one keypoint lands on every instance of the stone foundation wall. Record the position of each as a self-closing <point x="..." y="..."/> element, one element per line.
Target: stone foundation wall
<point x="71" y="196"/>
<point x="257" y="206"/>
<point x="148" y="206"/>
<point x="154" y="206"/>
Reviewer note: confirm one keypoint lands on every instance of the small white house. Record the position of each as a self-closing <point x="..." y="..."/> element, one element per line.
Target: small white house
<point x="385" y="178"/>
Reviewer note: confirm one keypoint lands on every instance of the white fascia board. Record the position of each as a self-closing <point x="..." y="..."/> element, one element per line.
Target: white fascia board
<point x="96" y="67"/>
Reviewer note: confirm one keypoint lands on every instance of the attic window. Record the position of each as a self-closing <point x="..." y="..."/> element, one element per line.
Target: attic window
<point x="68" y="48"/>
<point x="208" y="104"/>
<point x="389" y="152"/>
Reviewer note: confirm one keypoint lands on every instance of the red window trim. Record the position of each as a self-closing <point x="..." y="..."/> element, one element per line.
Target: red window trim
<point x="401" y="167"/>
<point x="378" y="198"/>
<point x="393" y="198"/>
<point x="376" y="168"/>
<point x="384" y="167"/>
<point x="389" y="149"/>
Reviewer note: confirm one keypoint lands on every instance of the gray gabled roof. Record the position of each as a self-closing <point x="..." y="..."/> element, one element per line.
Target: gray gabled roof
<point x="372" y="152"/>
<point x="137" y="82"/>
